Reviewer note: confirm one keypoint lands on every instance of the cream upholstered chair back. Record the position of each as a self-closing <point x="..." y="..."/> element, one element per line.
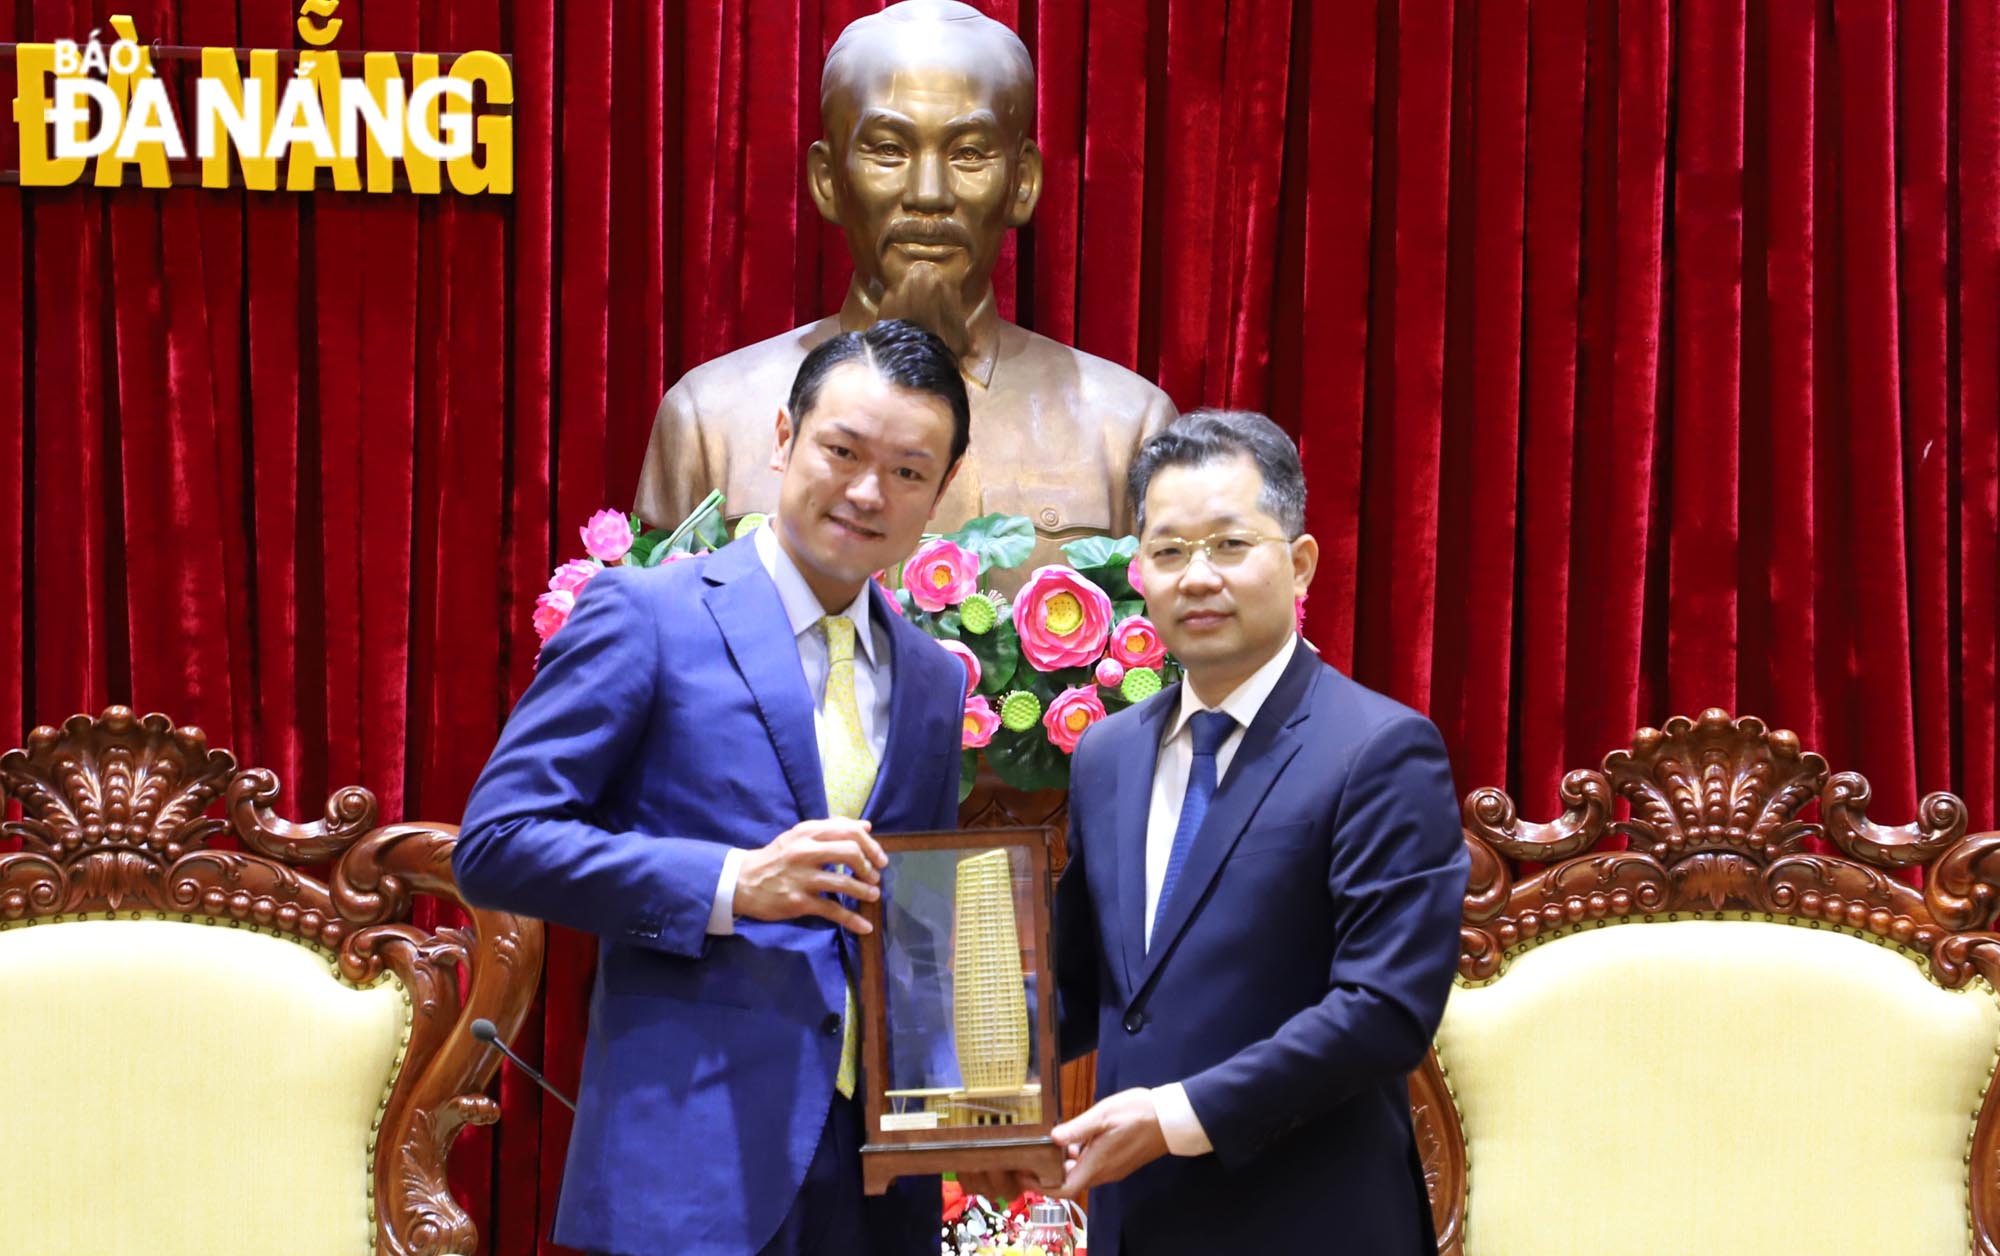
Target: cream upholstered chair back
<point x="214" y="1049"/>
<point x="1733" y="1023"/>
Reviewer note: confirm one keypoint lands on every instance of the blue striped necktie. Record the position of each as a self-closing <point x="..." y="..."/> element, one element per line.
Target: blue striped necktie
<point x="1211" y="729"/>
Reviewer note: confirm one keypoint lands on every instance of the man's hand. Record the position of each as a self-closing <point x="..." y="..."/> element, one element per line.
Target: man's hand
<point x="796" y="875"/>
<point x="1114" y="1139"/>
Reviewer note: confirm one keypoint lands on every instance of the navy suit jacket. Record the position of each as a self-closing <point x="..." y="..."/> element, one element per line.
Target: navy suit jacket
<point x="669" y="721"/>
<point x="1295" y="977"/>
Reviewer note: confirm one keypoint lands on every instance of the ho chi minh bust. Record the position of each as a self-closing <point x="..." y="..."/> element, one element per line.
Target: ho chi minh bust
<point x="927" y="108"/>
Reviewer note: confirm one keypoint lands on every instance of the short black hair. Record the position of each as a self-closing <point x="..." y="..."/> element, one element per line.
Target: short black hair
<point x="1200" y="437"/>
<point x="900" y="352"/>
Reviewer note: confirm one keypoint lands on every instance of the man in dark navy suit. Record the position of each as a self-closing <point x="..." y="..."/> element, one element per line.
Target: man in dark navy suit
<point x="1259" y="921"/>
<point x="694" y="776"/>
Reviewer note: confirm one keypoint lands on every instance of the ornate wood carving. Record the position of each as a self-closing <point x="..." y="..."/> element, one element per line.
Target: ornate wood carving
<point x="1725" y="815"/>
<point x="115" y="818"/>
<point x="1440" y="1148"/>
<point x="994" y="805"/>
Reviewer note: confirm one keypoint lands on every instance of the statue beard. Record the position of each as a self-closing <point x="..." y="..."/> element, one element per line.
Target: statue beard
<point x="929" y="299"/>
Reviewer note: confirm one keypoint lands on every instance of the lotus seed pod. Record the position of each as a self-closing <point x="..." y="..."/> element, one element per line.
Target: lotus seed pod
<point x="977" y="616"/>
<point x="1020" y="710"/>
<point x="1139" y="684"/>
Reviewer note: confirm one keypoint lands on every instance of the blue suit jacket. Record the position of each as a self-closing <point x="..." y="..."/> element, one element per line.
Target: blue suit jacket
<point x="669" y="721"/>
<point x="1295" y="978"/>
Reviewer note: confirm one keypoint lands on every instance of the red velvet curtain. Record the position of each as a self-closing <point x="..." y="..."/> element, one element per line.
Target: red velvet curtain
<point x="1645" y="356"/>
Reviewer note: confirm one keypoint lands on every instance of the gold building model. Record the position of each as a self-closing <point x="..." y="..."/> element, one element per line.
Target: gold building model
<point x="989" y="1005"/>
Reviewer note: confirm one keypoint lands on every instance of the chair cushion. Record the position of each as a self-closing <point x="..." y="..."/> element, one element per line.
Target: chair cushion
<point x="1733" y="1087"/>
<point x="181" y="1088"/>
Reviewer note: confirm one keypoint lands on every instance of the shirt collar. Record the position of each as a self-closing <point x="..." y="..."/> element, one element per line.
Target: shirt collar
<point x="982" y="328"/>
<point x="1246" y="700"/>
<point x="802" y="608"/>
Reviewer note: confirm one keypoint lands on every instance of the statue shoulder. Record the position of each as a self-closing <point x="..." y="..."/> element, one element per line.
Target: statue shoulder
<point x="1120" y="398"/>
<point x="763" y="370"/>
<point x="713" y="428"/>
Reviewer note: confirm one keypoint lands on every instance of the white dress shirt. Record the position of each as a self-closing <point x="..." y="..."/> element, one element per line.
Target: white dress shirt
<point x="1184" y="1134"/>
<point x="871" y="680"/>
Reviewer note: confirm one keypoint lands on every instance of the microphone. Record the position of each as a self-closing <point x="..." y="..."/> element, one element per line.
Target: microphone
<point x="486" y="1031"/>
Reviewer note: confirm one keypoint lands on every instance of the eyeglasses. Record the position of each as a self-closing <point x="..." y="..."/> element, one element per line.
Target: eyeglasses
<point x="1170" y="555"/>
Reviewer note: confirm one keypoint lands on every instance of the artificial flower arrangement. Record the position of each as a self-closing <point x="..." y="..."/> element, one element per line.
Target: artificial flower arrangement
<point x="1072" y="646"/>
<point x="613" y="539"/>
<point x="976" y="1226"/>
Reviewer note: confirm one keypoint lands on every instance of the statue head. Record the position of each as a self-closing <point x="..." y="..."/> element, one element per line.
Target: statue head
<point x="926" y="161"/>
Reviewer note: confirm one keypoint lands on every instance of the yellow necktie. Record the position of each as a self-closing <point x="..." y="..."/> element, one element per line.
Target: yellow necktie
<point x="848" y="767"/>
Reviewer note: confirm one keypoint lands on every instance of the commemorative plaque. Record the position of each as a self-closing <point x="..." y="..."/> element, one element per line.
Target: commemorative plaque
<point x="958" y="1005"/>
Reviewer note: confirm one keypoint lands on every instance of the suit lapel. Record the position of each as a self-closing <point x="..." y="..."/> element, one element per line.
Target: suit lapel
<point x="746" y="608"/>
<point x="1132" y="809"/>
<point x="1267" y="747"/>
<point x="905" y="711"/>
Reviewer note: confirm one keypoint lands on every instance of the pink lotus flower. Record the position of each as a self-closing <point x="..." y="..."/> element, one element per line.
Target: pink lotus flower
<point x="1062" y="619"/>
<point x="1132" y="577"/>
<point x="1073" y="711"/>
<point x="940" y="574"/>
<point x="960" y="651"/>
<point x="573" y="575"/>
<point x="552" y="611"/>
<point x="981" y="722"/>
<point x="1299" y="612"/>
<point x="608" y="536"/>
<point x="1110" y="672"/>
<point x="1136" y="643"/>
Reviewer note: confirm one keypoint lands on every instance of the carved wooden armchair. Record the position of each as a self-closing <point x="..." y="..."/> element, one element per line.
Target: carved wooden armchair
<point x="214" y="1050"/>
<point x="1793" y="1054"/>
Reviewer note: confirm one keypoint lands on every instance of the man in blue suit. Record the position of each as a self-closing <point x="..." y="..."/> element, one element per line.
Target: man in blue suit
<point x="694" y="776"/>
<point x="1259" y="921"/>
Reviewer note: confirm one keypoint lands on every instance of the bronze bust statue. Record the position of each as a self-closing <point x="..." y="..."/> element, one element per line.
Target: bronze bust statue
<point x="926" y="162"/>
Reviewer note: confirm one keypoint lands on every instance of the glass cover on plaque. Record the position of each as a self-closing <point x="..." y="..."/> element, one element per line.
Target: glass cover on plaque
<point x="958" y="945"/>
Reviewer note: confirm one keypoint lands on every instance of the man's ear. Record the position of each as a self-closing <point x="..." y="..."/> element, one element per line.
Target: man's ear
<point x="1305" y="561"/>
<point x="824" y="187"/>
<point x="1027" y="186"/>
<point x="781" y="445"/>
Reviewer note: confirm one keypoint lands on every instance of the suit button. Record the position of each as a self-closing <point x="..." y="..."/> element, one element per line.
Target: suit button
<point x="831" y="1025"/>
<point x="1134" y="1022"/>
